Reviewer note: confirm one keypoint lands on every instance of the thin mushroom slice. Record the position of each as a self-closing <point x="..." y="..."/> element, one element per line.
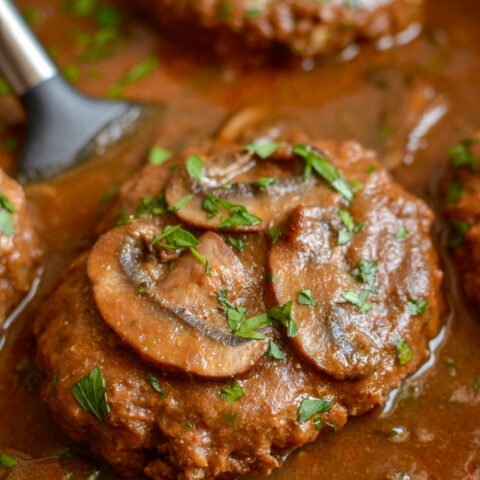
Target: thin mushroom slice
<point x="171" y="316"/>
<point x="332" y="334"/>
<point x="238" y="190"/>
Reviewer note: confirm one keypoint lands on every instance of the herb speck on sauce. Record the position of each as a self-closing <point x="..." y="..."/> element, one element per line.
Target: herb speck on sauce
<point x="233" y="393"/>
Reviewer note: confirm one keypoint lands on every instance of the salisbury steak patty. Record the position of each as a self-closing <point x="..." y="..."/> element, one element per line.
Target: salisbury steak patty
<point x="307" y="27"/>
<point x="19" y="247"/>
<point x="299" y="288"/>
<point x="462" y="199"/>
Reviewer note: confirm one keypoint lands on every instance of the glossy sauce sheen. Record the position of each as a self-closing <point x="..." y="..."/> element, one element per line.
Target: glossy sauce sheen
<point x="430" y="427"/>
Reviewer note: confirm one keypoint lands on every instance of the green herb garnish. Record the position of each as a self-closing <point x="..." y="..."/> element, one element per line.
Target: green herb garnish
<point x="404" y="351"/>
<point x="264" y="150"/>
<point x="311" y="406"/>
<point x="359" y="300"/>
<point x="304" y="297"/>
<point x="274" y="352"/>
<point x="454" y="192"/>
<point x="7" y="462"/>
<point x="181" y="203"/>
<point x="343" y="237"/>
<point x="401" y="234"/>
<point x="233" y="393"/>
<point x="417" y="307"/>
<point x="366" y="272"/>
<point x="458" y="231"/>
<point x="230" y="417"/>
<point x="461" y="155"/>
<point x="158" y="155"/>
<point x="264" y="182"/>
<point x="53" y="385"/>
<point x="152" y="379"/>
<point x="91" y="395"/>
<point x="194" y="167"/>
<point x="237" y="244"/>
<point x="325" y="169"/>
<point x="273" y="233"/>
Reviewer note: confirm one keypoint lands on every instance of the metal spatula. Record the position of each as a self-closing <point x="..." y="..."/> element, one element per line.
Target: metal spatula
<point x="64" y="126"/>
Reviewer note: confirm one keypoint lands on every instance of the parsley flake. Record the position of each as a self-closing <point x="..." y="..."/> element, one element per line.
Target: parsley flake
<point x="304" y="297"/>
<point x="417" y="307"/>
<point x="152" y="379"/>
<point x="194" y="167"/>
<point x="401" y="234"/>
<point x="7" y="462"/>
<point x="237" y="244"/>
<point x="366" y="272"/>
<point x="325" y="169"/>
<point x="458" y="232"/>
<point x="233" y="393"/>
<point x="230" y="417"/>
<point x="158" y="155"/>
<point x="273" y="232"/>
<point x="263" y="150"/>
<point x="461" y="155"/>
<point x="454" y="192"/>
<point x="91" y="395"/>
<point x="404" y="351"/>
<point x="311" y="406"/>
<point x="343" y="238"/>
<point x="359" y="300"/>
<point x="274" y="352"/>
<point x="264" y="182"/>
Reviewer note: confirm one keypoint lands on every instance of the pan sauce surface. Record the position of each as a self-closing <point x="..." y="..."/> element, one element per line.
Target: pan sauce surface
<point x="430" y="428"/>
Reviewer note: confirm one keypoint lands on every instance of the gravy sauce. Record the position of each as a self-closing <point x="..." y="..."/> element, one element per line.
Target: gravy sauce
<point x="408" y="103"/>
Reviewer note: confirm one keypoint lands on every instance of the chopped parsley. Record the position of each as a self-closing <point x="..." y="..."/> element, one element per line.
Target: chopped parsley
<point x="371" y="169"/>
<point x="458" y="231"/>
<point x="7" y="462"/>
<point x="359" y="300"/>
<point x="136" y="73"/>
<point x="195" y="167"/>
<point x="348" y="222"/>
<point x="343" y="237"/>
<point x="404" y="351"/>
<point x="318" y="163"/>
<point x="230" y="417"/>
<point x="476" y="384"/>
<point x="53" y="385"/>
<point x="304" y="297"/>
<point x="226" y="11"/>
<point x="181" y="203"/>
<point x="263" y="150"/>
<point x="417" y="307"/>
<point x="237" y="244"/>
<point x="366" y="272"/>
<point x="273" y="232"/>
<point x="454" y="192"/>
<point x="91" y="395"/>
<point x="176" y="237"/>
<point x="274" y="352"/>
<point x="158" y="155"/>
<point x="152" y="379"/>
<point x="461" y="155"/>
<point x="80" y="8"/>
<point x="233" y="393"/>
<point x="401" y="234"/>
<point x="188" y="426"/>
<point x="311" y="406"/>
<point x="6" y="221"/>
<point x="264" y="182"/>
<point x="317" y="421"/>
<point x="239" y="216"/>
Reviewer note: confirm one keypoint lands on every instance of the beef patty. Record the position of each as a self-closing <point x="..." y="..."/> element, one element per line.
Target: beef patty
<point x="462" y="199"/>
<point x="19" y="246"/>
<point x="249" y="299"/>
<point x="306" y="27"/>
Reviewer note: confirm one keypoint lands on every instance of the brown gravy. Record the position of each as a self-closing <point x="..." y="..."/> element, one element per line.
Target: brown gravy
<point x="430" y="427"/>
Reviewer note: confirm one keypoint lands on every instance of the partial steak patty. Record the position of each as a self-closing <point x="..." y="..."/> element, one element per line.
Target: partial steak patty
<point x="255" y="298"/>
<point x="306" y="27"/>
<point x="19" y="246"/>
<point x="462" y="200"/>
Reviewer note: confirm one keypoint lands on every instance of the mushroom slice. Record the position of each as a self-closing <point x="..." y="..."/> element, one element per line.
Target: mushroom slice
<point x="171" y="316"/>
<point x="333" y="334"/>
<point x="241" y="191"/>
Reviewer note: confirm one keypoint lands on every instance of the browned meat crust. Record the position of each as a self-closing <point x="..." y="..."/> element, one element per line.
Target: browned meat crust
<point x="306" y="27"/>
<point x="462" y="199"/>
<point x="193" y="432"/>
<point x="19" y="251"/>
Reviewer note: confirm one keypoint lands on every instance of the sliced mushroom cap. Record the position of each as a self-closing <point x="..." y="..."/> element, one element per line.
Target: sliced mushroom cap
<point x="332" y="334"/>
<point x="233" y="177"/>
<point x="171" y="316"/>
